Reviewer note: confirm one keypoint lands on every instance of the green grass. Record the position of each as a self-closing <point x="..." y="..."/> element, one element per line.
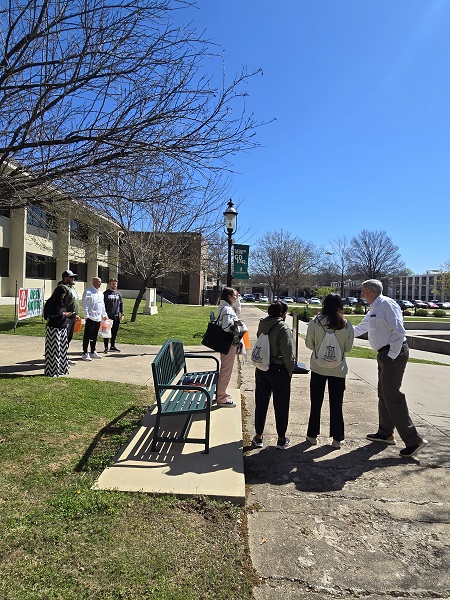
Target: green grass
<point x="60" y="539"/>
<point x="363" y="352"/>
<point x="177" y="321"/>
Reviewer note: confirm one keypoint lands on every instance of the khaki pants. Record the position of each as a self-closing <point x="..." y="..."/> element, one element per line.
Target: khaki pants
<point x="226" y="369"/>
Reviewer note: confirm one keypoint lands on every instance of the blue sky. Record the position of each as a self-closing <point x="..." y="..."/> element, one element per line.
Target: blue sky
<point x="360" y="94"/>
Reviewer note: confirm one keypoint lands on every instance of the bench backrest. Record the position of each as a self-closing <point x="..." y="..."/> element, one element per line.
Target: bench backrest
<point x="167" y="364"/>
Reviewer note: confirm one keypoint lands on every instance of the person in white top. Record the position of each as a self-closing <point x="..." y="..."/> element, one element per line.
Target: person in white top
<point x="384" y="325"/>
<point x="94" y="311"/>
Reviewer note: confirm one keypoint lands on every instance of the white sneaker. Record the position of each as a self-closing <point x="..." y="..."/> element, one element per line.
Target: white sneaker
<point x="86" y="356"/>
<point x="336" y="443"/>
<point x="95" y="355"/>
<point x="287" y="442"/>
<point x="72" y="363"/>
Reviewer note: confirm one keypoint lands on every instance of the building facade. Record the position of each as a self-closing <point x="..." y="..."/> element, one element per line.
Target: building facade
<point x="37" y="246"/>
<point x="420" y="287"/>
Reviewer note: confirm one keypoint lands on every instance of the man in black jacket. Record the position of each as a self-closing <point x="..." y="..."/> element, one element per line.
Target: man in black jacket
<point x="114" y="308"/>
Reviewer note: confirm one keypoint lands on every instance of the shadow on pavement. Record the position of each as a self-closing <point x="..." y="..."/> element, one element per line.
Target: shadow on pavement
<point x="314" y="469"/>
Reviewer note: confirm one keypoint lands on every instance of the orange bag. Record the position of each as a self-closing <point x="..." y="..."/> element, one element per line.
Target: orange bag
<point x="246" y="340"/>
<point x="78" y="325"/>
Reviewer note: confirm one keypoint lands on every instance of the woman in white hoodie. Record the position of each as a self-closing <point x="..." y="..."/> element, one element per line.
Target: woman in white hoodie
<point x="227" y="318"/>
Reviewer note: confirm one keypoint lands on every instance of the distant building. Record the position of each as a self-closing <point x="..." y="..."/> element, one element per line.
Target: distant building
<point x="419" y="287"/>
<point x="185" y="287"/>
<point x="37" y="246"/>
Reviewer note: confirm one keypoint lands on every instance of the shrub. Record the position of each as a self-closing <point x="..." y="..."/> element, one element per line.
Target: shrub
<point x="439" y="313"/>
<point x="407" y="313"/>
<point x="348" y="310"/>
<point x="358" y="310"/>
<point x="421" y="312"/>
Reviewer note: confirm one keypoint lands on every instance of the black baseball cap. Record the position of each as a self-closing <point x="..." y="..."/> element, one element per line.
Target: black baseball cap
<point x="68" y="274"/>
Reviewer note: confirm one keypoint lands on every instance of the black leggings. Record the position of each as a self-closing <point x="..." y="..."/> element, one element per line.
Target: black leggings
<point x="336" y="388"/>
<point x="276" y="382"/>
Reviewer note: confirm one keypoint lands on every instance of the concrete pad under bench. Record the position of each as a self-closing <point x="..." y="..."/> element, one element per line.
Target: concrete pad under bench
<point x="182" y="469"/>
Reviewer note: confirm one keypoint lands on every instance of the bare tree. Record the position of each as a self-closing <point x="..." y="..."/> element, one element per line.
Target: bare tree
<point x="89" y="86"/>
<point x="375" y="256"/>
<point x="341" y="259"/>
<point x="217" y="256"/>
<point x="162" y="223"/>
<point x="282" y="259"/>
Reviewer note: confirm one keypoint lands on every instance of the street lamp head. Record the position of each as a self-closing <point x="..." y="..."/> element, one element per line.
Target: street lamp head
<point x="230" y="217"/>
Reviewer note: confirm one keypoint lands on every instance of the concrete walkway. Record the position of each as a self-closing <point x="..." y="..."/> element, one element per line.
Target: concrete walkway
<point x="356" y="522"/>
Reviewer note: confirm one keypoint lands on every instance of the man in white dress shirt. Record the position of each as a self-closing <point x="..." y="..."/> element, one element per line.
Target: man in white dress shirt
<point x="94" y="311"/>
<point x="384" y="325"/>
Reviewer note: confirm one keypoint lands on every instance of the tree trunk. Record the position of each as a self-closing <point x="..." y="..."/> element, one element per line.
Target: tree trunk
<point x="138" y="301"/>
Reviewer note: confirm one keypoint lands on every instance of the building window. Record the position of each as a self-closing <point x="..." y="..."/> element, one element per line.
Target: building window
<point x="80" y="269"/>
<point x="78" y="231"/>
<point x="4" y="262"/>
<point x="39" y="266"/>
<point x="38" y="217"/>
<point x="103" y="273"/>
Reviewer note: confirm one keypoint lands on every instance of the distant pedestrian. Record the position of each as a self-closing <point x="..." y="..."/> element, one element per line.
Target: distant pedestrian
<point x="275" y="382"/>
<point x="330" y="319"/>
<point x="56" y="345"/>
<point x="72" y="301"/>
<point x="114" y="309"/>
<point x="387" y="335"/>
<point x="94" y="312"/>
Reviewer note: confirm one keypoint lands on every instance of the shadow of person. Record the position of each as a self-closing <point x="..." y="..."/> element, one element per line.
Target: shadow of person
<point x="315" y="469"/>
<point x="23" y="367"/>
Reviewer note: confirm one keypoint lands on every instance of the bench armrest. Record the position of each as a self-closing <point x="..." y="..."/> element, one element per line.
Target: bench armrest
<point x="195" y="355"/>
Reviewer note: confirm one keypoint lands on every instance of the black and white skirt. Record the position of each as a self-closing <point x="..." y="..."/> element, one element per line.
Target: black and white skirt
<point x="56" y="346"/>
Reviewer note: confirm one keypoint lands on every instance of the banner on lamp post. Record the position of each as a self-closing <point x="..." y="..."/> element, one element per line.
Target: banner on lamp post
<point x="240" y="262"/>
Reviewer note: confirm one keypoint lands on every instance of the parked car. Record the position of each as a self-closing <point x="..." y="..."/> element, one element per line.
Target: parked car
<point x="405" y="304"/>
<point x="350" y="301"/>
<point x="444" y="305"/>
<point x="288" y="299"/>
<point x="431" y="304"/>
<point x="420" y="304"/>
<point x="249" y="298"/>
<point x="302" y="300"/>
<point x="314" y="301"/>
<point x="263" y="299"/>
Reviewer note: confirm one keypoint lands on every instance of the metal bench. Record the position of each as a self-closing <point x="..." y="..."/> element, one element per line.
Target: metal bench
<point x="181" y="393"/>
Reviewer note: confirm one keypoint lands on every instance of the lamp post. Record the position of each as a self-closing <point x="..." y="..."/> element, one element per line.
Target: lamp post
<point x="342" y="273"/>
<point x="230" y="226"/>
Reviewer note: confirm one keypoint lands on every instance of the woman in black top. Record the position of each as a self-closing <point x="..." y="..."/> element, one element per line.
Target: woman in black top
<point x="56" y="343"/>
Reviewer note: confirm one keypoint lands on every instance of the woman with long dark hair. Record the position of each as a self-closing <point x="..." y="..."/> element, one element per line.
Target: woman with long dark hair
<point x="56" y="343"/>
<point x="330" y="319"/>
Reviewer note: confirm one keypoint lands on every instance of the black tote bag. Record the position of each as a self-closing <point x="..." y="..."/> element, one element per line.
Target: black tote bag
<point x="217" y="339"/>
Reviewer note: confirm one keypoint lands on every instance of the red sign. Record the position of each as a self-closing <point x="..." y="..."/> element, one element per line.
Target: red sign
<point x="23" y="303"/>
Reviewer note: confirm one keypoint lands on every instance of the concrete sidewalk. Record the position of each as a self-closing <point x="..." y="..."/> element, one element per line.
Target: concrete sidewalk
<point x="356" y="522"/>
